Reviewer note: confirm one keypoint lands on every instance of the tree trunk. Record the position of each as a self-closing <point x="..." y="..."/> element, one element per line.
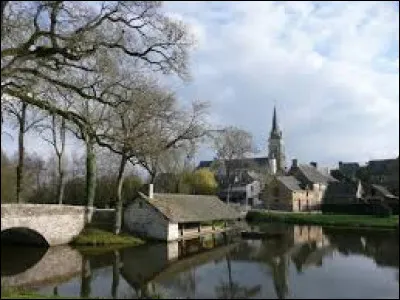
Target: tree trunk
<point x="90" y="176"/>
<point x="61" y="183"/>
<point x="115" y="278"/>
<point x="3" y="6"/>
<point x="120" y="182"/>
<point x="86" y="278"/>
<point x="21" y="152"/>
<point x="228" y="261"/>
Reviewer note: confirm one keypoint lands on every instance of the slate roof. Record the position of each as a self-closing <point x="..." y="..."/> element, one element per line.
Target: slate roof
<point x="349" y="169"/>
<point x="181" y="208"/>
<point x="290" y="182"/>
<point x="315" y="176"/>
<point x="341" y="189"/>
<point x="378" y="167"/>
<point x="239" y="163"/>
<point x="384" y="191"/>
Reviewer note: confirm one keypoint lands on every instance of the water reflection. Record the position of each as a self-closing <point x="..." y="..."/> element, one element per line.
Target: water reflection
<point x="298" y="262"/>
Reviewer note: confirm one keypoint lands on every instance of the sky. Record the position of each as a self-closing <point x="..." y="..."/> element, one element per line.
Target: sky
<point x="331" y="69"/>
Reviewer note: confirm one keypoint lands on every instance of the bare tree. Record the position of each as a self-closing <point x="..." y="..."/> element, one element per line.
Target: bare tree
<point x="68" y="45"/>
<point x="146" y="124"/>
<point x="232" y="143"/>
<point x="25" y="121"/>
<point x="57" y="140"/>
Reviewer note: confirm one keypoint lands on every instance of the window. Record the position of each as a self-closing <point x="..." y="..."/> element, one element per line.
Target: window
<point x="140" y="204"/>
<point x="276" y="192"/>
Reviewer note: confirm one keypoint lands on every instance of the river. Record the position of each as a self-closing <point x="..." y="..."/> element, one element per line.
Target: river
<point x="294" y="262"/>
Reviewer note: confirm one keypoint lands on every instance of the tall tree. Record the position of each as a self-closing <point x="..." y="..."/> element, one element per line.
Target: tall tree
<point x="57" y="140"/>
<point x="232" y="143"/>
<point x="148" y="122"/>
<point x="25" y="121"/>
<point x="68" y="44"/>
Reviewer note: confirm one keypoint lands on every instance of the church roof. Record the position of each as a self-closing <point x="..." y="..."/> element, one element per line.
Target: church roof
<point x="242" y="163"/>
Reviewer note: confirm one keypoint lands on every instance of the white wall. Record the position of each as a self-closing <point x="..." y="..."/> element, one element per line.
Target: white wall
<point x="140" y="217"/>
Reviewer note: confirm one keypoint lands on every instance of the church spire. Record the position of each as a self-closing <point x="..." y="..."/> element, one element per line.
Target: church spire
<point x="275" y="128"/>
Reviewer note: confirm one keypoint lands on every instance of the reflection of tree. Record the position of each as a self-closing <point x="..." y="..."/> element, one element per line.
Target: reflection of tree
<point x="115" y="278"/>
<point x="300" y="257"/>
<point x="86" y="277"/>
<point x="231" y="289"/>
<point x="382" y="246"/>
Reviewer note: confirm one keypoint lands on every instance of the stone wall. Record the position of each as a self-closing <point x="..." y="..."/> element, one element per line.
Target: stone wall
<point x="57" y="224"/>
<point x="143" y="219"/>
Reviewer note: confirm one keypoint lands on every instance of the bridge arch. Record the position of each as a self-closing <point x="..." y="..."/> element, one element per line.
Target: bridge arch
<point x="23" y="236"/>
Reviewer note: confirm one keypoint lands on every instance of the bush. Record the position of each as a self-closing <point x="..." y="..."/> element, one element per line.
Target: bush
<point x="377" y="209"/>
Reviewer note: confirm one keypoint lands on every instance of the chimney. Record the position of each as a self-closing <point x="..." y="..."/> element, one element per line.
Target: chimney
<point x="314" y="164"/>
<point x="294" y="163"/>
<point x="150" y="191"/>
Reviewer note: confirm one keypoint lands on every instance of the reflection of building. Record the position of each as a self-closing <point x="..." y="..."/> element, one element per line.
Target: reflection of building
<point x="175" y="216"/>
<point x="167" y="260"/>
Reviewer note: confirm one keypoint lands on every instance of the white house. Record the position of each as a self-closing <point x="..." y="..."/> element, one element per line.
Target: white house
<point x="171" y="217"/>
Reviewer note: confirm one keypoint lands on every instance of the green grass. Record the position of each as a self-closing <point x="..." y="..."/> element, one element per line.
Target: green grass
<point x="99" y="237"/>
<point x="18" y="293"/>
<point x="323" y="219"/>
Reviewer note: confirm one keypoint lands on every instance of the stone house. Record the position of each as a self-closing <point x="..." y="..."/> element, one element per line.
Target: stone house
<point x="286" y="193"/>
<point x="312" y="180"/>
<point x="171" y="217"/>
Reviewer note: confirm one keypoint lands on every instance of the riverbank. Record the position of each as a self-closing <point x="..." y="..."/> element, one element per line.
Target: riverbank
<point x="13" y="293"/>
<point x="391" y="222"/>
<point x="92" y="236"/>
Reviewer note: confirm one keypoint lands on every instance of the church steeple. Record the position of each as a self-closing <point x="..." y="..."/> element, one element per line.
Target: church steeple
<point x="276" y="150"/>
<point x="275" y="132"/>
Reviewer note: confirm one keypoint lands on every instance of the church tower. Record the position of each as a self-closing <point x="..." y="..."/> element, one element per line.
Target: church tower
<point x="275" y="145"/>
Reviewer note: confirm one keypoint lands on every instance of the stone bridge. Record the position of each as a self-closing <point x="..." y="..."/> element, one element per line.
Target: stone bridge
<point x="58" y="264"/>
<point x="50" y="224"/>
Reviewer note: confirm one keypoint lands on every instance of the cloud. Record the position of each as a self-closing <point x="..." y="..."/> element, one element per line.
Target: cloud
<point x="331" y="68"/>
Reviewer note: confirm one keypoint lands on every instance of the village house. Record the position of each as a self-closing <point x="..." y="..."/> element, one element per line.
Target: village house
<point x="284" y="193"/>
<point x="240" y="180"/>
<point x="302" y="189"/>
<point x="171" y="217"/>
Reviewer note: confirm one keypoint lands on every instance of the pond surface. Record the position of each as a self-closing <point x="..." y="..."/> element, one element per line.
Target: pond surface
<point x="294" y="262"/>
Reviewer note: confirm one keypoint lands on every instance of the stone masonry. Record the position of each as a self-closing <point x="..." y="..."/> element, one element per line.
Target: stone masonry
<point x="57" y="224"/>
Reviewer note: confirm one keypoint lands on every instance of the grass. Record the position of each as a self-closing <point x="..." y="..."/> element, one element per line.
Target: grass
<point x="391" y="222"/>
<point x="18" y="293"/>
<point x="98" y="237"/>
